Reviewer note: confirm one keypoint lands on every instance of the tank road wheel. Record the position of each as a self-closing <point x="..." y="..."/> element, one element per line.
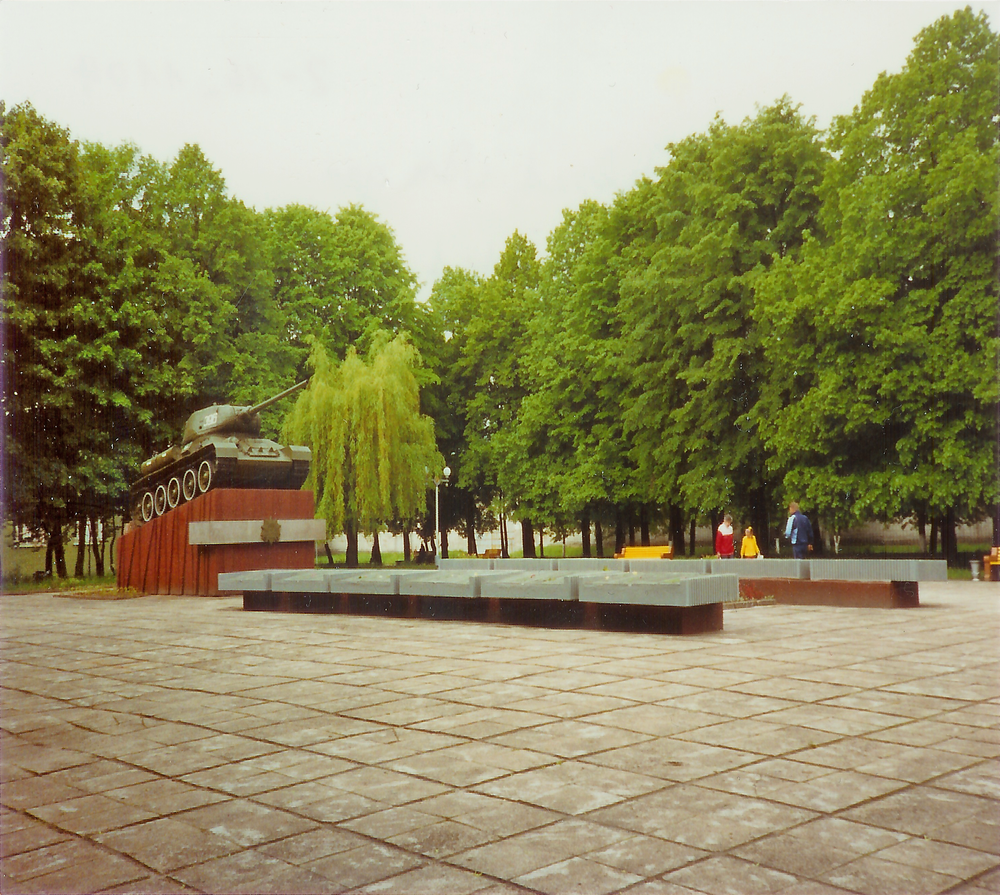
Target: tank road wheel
<point x="190" y="486"/>
<point x="204" y="476"/>
<point x="147" y="506"/>
<point x="173" y="492"/>
<point x="160" y="500"/>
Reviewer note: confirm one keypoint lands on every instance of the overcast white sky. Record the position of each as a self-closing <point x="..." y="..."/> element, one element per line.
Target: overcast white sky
<point x="456" y="123"/>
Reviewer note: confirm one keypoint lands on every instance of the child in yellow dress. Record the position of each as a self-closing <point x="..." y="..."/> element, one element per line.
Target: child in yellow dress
<point x="748" y="546"/>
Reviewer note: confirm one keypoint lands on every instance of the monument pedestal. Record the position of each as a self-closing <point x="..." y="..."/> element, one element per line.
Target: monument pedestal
<point x="225" y="530"/>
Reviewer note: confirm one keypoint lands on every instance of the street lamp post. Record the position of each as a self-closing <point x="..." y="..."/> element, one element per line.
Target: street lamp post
<point x="438" y="480"/>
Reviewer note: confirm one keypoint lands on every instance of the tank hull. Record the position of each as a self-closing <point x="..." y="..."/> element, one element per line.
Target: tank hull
<point x="180" y="474"/>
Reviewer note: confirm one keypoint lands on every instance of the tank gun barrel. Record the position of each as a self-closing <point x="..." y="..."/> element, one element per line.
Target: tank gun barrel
<point x="274" y="400"/>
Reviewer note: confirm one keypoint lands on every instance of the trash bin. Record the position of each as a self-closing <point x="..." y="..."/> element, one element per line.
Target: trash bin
<point x="974" y="565"/>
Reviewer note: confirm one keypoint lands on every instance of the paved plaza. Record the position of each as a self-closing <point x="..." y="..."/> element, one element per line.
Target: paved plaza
<point x="178" y="744"/>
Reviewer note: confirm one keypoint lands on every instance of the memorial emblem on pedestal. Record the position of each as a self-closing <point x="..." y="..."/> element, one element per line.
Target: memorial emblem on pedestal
<point x="270" y="531"/>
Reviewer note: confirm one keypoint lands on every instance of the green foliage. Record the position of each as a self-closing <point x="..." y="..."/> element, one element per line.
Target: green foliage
<point x="767" y="318"/>
<point x="371" y="445"/>
<point x="882" y="339"/>
<point x="571" y="456"/>
<point x="729" y="204"/>
<point x="494" y="343"/>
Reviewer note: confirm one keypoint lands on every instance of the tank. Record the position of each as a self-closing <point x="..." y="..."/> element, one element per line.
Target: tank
<point x="221" y="448"/>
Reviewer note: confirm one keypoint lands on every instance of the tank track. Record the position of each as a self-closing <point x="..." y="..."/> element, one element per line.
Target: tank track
<point x="183" y="481"/>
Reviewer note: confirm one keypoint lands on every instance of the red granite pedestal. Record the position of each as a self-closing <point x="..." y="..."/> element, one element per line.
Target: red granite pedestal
<point x="159" y="557"/>
<point x="856" y="594"/>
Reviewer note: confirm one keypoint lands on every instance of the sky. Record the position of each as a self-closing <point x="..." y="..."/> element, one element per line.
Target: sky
<point x="455" y="123"/>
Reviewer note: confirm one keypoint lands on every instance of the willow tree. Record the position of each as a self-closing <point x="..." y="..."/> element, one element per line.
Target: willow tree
<point x="371" y="445"/>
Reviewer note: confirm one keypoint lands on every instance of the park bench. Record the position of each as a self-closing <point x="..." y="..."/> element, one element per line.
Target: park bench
<point x="661" y="551"/>
<point x="492" y="553"/>
<point x="990" y="561"/>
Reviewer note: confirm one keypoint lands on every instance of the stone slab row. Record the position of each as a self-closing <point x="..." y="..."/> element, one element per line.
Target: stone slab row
<point x="801" y="569"/>
<point x="660" y="588"/>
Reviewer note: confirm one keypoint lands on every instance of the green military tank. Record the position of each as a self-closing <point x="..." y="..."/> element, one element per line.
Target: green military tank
<point x="221" y="448"/>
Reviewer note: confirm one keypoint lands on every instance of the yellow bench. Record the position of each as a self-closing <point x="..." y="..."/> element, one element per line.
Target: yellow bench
<point x="662" y="551"/>
<point x="991" y="559"/>
<point x="492" y="553"/>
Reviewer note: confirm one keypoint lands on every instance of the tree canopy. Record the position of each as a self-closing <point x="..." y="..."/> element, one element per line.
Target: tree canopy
<point x="776" y="313"/>
<point x="372" y="447"/>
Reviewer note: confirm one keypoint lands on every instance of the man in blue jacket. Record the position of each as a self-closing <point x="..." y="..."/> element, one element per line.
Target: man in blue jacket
<point x="798" y="531"/>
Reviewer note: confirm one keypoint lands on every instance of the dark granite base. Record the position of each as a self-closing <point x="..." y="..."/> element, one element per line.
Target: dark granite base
<point x="532" y="613"/>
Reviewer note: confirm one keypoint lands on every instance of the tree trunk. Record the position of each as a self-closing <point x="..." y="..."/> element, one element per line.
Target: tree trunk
<point x="599" y="537"/>
<point x="81" y="550"/>
<point x="60" y="553"/>
<point x="541" y="543"/>
<point x="49" y="552"/>
<point x="949" y="538"/>
<point x="98" y="547"/>
<point x="329" y="553"/>
<point x="675" y="526"/>
<point x="585" y="532"/>
<point x="817" y="537"/>
<point x="527" y="539"/>
<point x="111" y="546"/>
<point x="470" y="526"/>
<point x="631" y="526"/>
<point x="504" y="541"/>
<point x="444" y="543"/>
<point x="619" y="530"/>
<point x="759" y="516"/>
<point x="376" y="557"/>
<point x="407" y="553"/>
<point x="644" y="525"/>
<point x="691" y="534"/>
<point x="351" y="531"/>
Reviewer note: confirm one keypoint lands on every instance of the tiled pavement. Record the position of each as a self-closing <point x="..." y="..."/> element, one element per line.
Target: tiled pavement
<point x="178" y="745"/>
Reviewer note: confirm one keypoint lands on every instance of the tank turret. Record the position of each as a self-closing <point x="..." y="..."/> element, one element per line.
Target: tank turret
<point x="221" y="448"/>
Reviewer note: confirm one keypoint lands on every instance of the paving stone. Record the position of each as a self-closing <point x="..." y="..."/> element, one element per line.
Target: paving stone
<point x="577" y="875"/>
<point x="920" y="812"/>
<point x="304" y="848"/>
<point x="254" y="874"/>
<point x="672" y="760"/>
<point x="983" y="779"/>
<point x="725" y="875"/>
<point x="873" y="874"/>
<point x="818" y="846"/>
<point x="71" y="866"/>
<point x="941" y="857"/>
<point x="525" y="852"/>
<point x="369" y="863"/>
<point x="440" y="839"/>
<point x="434" y="879"/>
<point x="838" y="749"/>
<point x="90" y="814"/>
<point x="164" y="797"/>
<point x="647" y="856"/>
<point x="245" y="822"/>
<point x="167" y="843"/>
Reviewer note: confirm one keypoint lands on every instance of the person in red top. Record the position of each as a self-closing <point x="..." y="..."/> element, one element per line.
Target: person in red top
<point x="724" y="538"/>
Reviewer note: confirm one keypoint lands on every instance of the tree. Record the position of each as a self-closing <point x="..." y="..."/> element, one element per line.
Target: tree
<point x="884" y="336"/>
<point x="39" y="220"/>
<point x="571" y="456"/>
<point x="729" y="204"/>
<point x="496" y="340"/>
<point x="372" y="447"/>
<point x="454" y="304"/>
